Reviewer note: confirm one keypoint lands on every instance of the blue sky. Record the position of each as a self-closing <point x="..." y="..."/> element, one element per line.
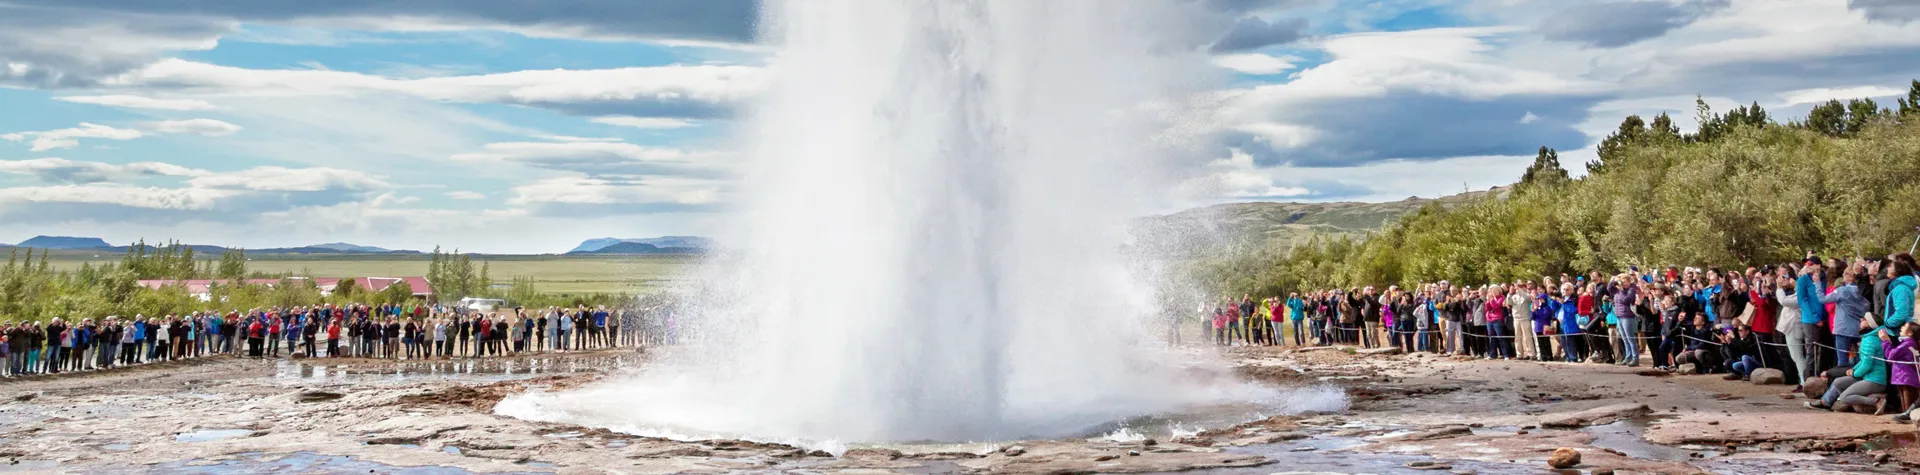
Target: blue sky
<point x="505" y="126"/>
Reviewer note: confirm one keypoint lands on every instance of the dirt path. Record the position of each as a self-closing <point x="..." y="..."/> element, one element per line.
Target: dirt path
<point x="1408" y="412"/>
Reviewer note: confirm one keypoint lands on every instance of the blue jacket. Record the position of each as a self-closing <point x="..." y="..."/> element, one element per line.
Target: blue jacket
<point x="1848" y="307"/>
<point x="1808" y="292"/>
<point x="1296" y="309"/>
<point x="1569" y="317"/>
<point x="1705" y="297"/>
<point x="1899" y="309"/>
<point x="1543" y="312"/>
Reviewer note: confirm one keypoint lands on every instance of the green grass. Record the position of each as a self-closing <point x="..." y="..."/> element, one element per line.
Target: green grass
<point x="551" y="274"/>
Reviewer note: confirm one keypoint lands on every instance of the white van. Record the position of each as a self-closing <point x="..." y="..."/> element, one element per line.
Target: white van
<point x="482" y="305"/>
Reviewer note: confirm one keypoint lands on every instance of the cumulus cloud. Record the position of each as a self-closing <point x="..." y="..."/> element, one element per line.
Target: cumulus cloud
<point x="1887" y="10"/>
<point x="90" y="195"/>
<point x="465" y="195"/>
<point x="60" y="170"/>
<point x="1257" y="63"/>
<point x="207" y="127"/>
<point x="598" y="159"/>
<point x="55" y="46"/>
<point x="70" y="137"/>
<point x="139" y="102"/>
<point x="75" y="43"/>
<point x="661" y="91"/>
<point x="708" y="20"/>
<point x="644" y="122"/>
<point x="1424" y="94"/>
<point x="1619" y="23"/>
<point x="1822" y="94"/>
<point x="1253" y="33"/>
<point x="594" y="196"/>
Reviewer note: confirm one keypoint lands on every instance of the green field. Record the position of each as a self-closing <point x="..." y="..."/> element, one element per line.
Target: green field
<point x="551" y="274"/>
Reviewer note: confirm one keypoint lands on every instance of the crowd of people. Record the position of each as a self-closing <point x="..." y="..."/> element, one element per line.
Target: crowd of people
<point x="1846" y="325"/>
<point x="330" y="331"/>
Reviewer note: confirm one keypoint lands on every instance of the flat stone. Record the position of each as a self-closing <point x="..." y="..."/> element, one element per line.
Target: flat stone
<point x="1595" y="416"/>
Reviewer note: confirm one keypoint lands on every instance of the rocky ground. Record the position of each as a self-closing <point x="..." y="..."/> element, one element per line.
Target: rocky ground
<point x="1409" y="413"/>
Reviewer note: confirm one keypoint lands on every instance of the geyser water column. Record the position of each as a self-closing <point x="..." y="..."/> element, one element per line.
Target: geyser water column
<point x="932" y="242"/>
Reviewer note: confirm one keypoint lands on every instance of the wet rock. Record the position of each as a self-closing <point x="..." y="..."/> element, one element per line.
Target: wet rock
<point x="1149" y="442"/>
<point x="26" y="397"/>
<point x="1564" y="458"/>
<point x="1595" y="416"/>
<point x="946" y="456"/>
<point x="318" y="396"/>
<point x="1882" y="458"/>
<point x="1431" y="434"/>
<point x="1133" y="453"/>
<point x="1428" y="465"/>
<point x="1014" y="451"/>
<point x="882" y="454"/>
<point x="1768" y="376"/>
<point x="1104" y="458"/>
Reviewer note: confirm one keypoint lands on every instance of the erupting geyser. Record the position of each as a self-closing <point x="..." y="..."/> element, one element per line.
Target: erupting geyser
<point x="932" y="242"/>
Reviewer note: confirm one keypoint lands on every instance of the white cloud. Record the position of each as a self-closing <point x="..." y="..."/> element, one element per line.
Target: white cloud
<point x="654" y="190"/>
<point x="1529" y="118"/>
<point x="599" y="159"/>
<point x="1822" y="94"/>
<point x="232" y="197"/>
<point x="207" y="127"/>
<point x="60" y="170"/>
<point x="141" y="102"/>
<point x="1257" y="63"/>
<point x="644" y="122"/>
<point x="70" y="137"/>
<point x="465" y="195"/>
<point x="673" y="90"/>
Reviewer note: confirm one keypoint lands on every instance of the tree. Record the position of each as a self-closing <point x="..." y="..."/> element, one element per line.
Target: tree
<point x="346" y="290"/>
<point x="233" y="264"/>
<point x="1910" y="106"/>
<point x="1829" y="118"/>
<point x="1629" y="134"/>
<point x="399" y="292"/>
<point x="1545" y="171"/>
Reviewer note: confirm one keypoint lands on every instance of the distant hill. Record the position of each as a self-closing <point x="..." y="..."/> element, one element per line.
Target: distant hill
<point x="683" y="242"/>
<point x="1278" y="224"/>
<point x="63" y="242"/>
<point x="633" y="248"/>
<point x="344" y="247"/>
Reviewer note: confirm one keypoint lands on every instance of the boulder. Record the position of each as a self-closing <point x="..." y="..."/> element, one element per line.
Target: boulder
<point x="1564" y="458"/>
<point x="1814" y="387"/>
<point x="1768" y="376"/>
<point x="1014" y="451"/>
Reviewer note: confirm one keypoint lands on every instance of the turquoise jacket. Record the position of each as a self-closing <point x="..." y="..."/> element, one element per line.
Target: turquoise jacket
<point x="1899" y="309"/>
<point x="1870" y="368"/>
<point x="1296" y="309"/>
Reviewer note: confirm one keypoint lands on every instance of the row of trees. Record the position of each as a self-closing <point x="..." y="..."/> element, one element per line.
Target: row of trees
<point x="32" y="289"/>
<point x="1741" y="189"/>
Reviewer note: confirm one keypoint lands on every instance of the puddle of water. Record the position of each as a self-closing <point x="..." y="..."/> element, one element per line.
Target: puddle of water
<point x="1627" y="436"/>
<point x="451" y="450"/>
<point x="1329" y="456"/>
<point x="300" y="462"/>
<point x="207" y="435"/>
